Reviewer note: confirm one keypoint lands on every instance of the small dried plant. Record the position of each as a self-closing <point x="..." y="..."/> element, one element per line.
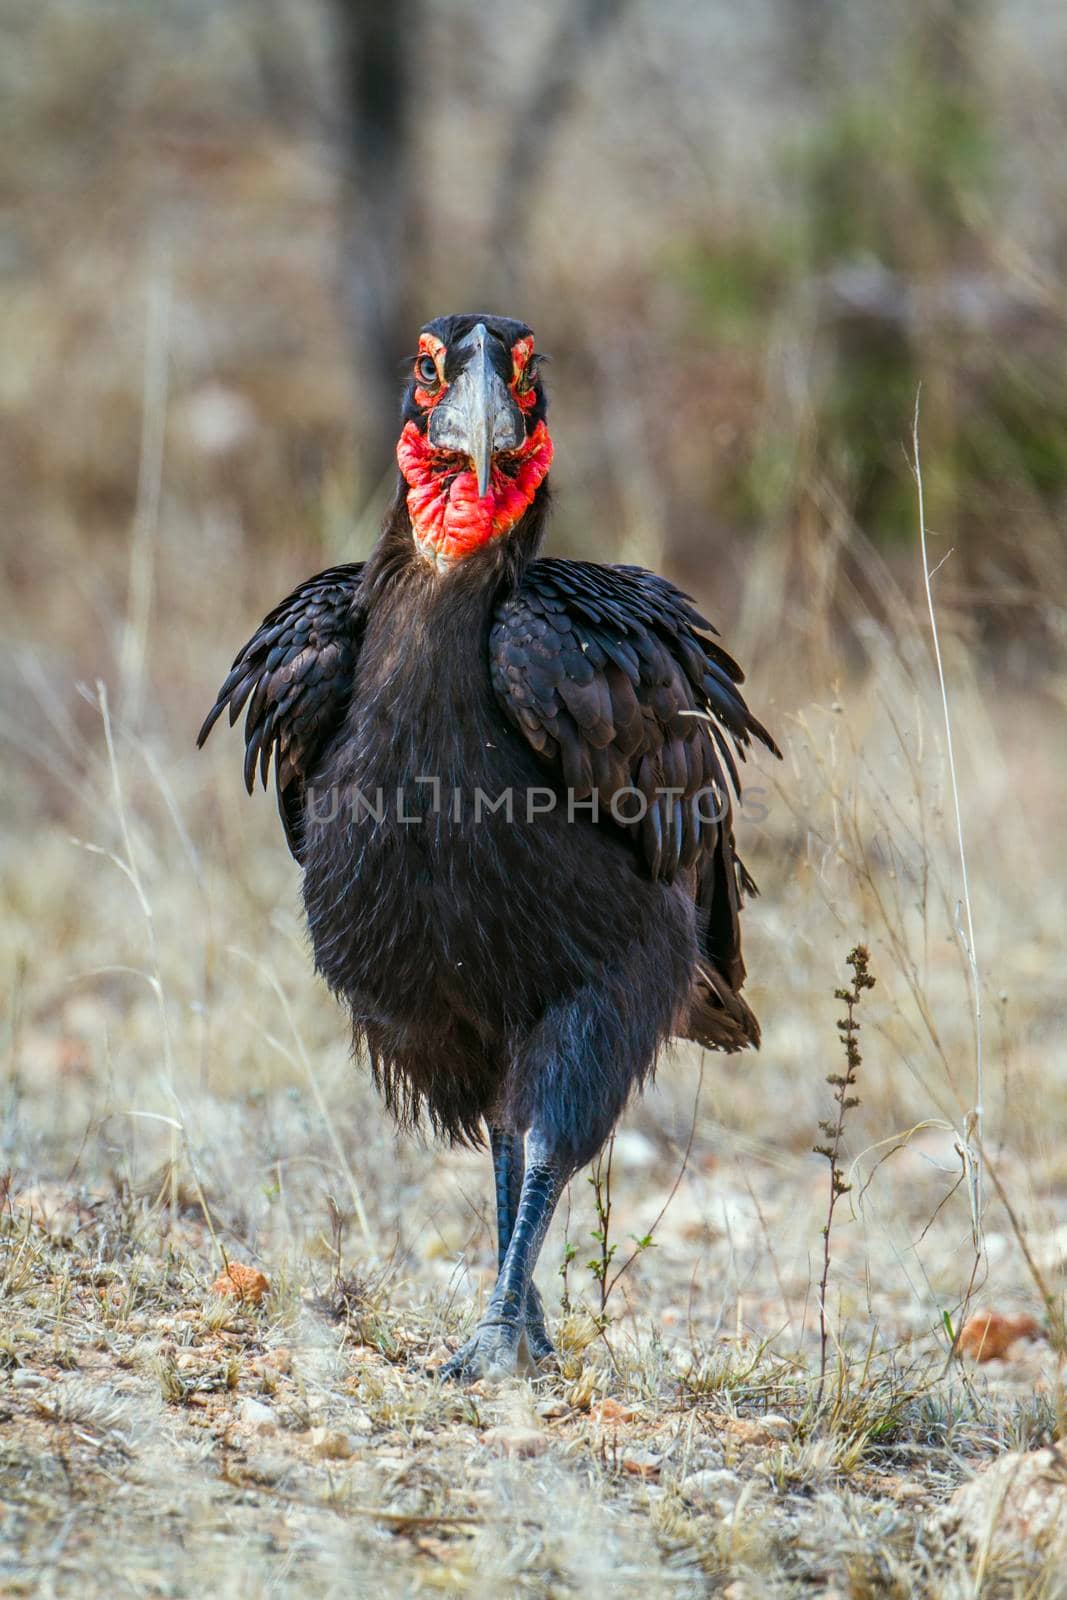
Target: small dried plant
<point x="843" y="1083"/>
<point x="348" y="1297"/>
<point x="600" y="1265"/>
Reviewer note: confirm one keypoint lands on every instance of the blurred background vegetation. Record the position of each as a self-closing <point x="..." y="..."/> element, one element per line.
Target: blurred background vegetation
<point x="743" y="237"/>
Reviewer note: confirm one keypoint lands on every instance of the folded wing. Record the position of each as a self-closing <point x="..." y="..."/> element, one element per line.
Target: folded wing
<point x="295" y="675"/>
<point x="615" y="680"/>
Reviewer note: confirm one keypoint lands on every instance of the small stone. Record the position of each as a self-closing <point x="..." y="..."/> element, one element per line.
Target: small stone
<point x="263" y="1467"/>
<point x="27" y="1380"/>
<point x="551" y="1409"/>
<point x="610" y="1412"/>
<point x="713" y="1489"/>
<point x="989" y="1335"/>
<point x="242" y="1283"/>
<point x="516" y="1441"/>
<point x="1016" y="1506"/>
<point x="777" y="1427"/>
<point x="642" y="1463"/>
<point x="255" y="1415"/>
<point x="770" y="1429"/>
<point x="332" y="1444"/>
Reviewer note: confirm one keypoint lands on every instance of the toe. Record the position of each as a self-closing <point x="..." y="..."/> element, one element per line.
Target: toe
<point x="493" y="1352"/>
<point x="540" y="1346"/>
<point x="459" y="1368"/>
<point x="538" y="1343"/>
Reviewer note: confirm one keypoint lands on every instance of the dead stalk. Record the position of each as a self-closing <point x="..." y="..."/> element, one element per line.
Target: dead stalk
<point x="848" y="1028"/>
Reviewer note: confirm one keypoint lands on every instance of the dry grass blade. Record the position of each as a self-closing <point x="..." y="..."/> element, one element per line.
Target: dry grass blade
<point x="974" y="1128"/>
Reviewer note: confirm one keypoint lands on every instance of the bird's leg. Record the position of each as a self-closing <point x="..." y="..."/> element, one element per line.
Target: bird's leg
<point x="509" y="1161"/>
<point x="509" y="1165"/>
<point x="494" y="1349"/>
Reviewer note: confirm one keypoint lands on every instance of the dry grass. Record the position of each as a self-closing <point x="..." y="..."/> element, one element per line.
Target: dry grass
<point x="177" y="1090"/>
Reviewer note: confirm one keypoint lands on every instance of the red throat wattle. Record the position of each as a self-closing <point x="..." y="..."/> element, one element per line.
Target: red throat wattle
<point x="448" y="519"/>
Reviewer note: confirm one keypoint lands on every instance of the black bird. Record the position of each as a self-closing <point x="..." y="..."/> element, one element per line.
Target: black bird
<point x="507" y="779"/>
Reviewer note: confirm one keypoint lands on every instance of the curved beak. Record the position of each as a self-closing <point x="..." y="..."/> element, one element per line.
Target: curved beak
<point x="478" y="417"/>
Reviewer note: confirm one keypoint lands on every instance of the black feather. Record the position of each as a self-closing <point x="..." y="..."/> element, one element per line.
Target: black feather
<point x="300" y="664"/>
<point x="529" y="965"/>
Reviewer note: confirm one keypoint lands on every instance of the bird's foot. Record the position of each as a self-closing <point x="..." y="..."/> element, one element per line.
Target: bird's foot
<point x="492" y="1352"/>
<point x="501" y="1348"/>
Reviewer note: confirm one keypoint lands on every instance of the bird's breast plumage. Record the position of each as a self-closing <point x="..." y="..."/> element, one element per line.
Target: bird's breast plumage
<point x="440" y="860"/>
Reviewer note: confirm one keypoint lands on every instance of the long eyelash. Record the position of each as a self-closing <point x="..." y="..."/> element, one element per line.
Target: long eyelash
<point x="532" y="370"/>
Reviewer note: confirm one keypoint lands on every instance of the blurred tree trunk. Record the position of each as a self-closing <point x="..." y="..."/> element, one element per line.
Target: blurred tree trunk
<point x="581" y="25"/>
<point x="376" y="40"/>
<point x="808" y="31"/>
<point x="941" y="235"/>
<point x="908" y="195"/>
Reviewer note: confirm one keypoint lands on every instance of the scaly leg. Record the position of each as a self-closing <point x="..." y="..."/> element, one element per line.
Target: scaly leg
<point x="494" y="1349"/>
<point x="509" y="1163"/>
<point x="568" y="1084"/>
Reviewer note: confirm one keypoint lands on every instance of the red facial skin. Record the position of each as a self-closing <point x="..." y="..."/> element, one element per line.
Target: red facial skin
<point x="521" y="351"/>
<point x="448" y="519"/>
<point x="430" y="345"/>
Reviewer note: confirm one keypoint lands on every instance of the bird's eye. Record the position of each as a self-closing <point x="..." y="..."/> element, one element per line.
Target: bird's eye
<point x="426" y="372"/>
<point x="528" y="376"/>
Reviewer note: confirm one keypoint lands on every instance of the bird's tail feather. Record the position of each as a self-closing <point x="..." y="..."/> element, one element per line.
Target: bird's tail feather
<point x="718" y="1017"/>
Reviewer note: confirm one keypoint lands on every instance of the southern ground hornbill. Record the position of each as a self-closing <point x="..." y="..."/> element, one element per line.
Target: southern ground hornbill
<point x="506" y="778"/>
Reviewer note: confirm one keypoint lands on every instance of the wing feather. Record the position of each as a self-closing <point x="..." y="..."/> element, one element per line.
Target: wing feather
<point x="587" y="658"/>
<point x="616" y="681"/>
<point x="295" y="677"/>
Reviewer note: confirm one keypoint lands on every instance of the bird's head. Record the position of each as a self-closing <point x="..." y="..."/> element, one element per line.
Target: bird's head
<point x="475" y="447"/>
